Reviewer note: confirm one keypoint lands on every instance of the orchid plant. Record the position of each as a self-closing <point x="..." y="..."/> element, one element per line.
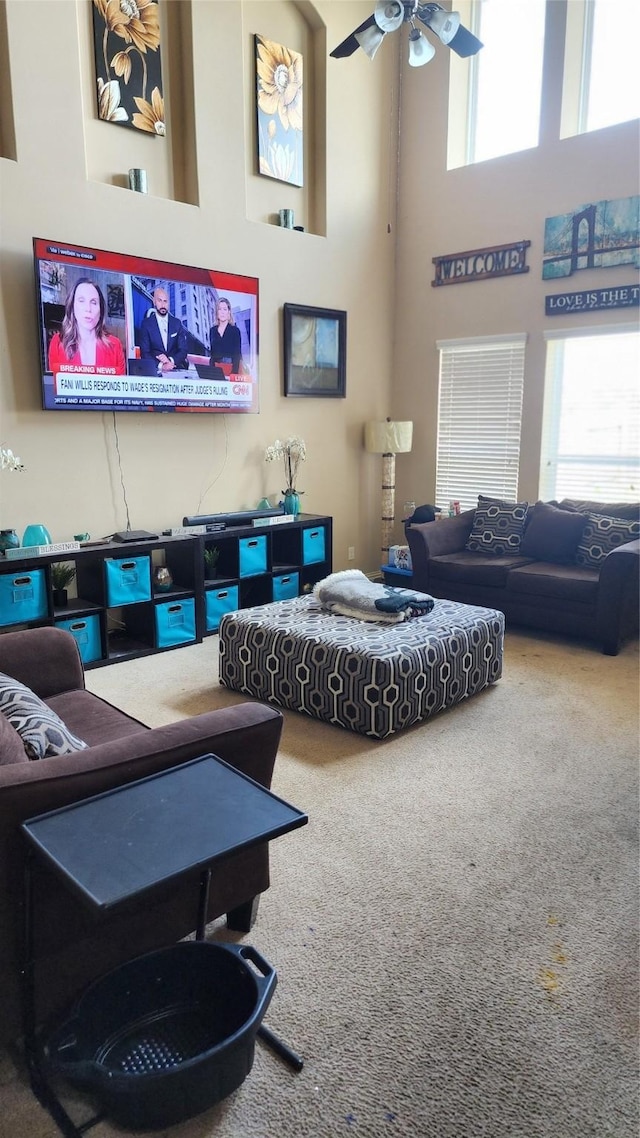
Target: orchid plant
<point x="292" y="452"/>
<point x="9" y="460"/>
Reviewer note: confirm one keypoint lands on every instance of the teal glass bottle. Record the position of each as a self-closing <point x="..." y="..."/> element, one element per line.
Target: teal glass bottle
<point x="36" y="535"/>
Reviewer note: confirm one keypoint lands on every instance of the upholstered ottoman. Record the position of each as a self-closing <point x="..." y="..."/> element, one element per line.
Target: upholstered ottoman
<point x="372" y="678"/>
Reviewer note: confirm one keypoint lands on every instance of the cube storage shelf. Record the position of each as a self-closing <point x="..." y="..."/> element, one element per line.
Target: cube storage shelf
<point x="260" y="564"/>
<point x="118" y="614"/>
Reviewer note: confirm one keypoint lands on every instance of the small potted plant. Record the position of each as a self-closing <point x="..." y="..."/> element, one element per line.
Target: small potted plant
<point x="211" y="555"/>
<point x="62" y="574"/>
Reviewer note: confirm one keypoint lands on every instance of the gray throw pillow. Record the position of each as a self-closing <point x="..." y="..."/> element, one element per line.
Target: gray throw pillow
<point x="42" y="731"/>
<point x="497" y="527"/>
<point x="627" y="510"/>
<point x="601" y="534"/>
<point x="552" y="534"/>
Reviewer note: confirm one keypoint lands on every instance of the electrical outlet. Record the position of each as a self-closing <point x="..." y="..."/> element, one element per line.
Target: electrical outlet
<point x="351" y="553"/>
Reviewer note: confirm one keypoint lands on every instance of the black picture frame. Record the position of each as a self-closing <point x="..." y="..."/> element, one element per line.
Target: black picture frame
<point x="315" y="352"/>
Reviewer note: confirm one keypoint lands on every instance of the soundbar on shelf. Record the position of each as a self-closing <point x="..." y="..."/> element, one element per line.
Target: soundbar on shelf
<point x="240" y="518"/>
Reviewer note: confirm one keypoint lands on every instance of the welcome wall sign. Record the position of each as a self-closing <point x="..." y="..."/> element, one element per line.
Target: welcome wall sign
<point x="481" y="264"/>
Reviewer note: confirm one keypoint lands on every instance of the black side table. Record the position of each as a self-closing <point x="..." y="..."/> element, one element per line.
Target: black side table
<point x="117" y="846"/>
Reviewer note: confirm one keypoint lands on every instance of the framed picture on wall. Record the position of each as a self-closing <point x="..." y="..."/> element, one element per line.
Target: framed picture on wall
<point x="315" y="352"/>
<point x="279" y="108"/>
<point x="126" y="46"/>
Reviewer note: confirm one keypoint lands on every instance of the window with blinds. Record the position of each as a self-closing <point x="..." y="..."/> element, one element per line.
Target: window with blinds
<point x="479" y="418"/>
<point x="591" y="426"/>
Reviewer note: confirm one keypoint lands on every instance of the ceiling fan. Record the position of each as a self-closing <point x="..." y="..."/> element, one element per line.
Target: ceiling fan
<point x="389" y="15"/>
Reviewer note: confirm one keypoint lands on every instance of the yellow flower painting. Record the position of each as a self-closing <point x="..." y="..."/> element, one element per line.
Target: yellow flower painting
<point x="279" y="109"/>
<point x="126" y="36"/>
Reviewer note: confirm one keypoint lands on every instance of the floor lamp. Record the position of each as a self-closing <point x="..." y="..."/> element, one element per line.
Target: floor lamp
<point x="388" y="439"/>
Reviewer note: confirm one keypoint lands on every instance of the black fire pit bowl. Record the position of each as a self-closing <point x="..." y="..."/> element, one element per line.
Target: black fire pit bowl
<point x="167" y="1035"/>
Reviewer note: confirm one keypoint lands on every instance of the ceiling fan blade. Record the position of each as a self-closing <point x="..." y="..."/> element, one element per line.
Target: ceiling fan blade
<point x="348" y="46"/>
<point x="464" y="43"/>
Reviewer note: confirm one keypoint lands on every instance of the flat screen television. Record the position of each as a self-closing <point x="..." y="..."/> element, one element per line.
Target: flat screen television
<point x="125" y="333"/>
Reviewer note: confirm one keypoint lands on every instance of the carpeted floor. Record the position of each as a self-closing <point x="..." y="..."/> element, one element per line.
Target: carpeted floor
<point x="455" y="931"/>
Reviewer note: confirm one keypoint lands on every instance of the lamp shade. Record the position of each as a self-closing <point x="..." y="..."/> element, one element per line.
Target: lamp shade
<point x="444" y="24"/>
<point x="389" y="14"/>
<point x="420" y="49"/>
<point x="370" y="40"/>
<point x="388" y="437"/>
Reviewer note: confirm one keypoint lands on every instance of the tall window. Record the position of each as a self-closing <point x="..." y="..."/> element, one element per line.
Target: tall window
<point x="601" y="65"/>
<point x="501" y="85"/>
<point x="479" y="416"/>
<point x="591" y="432"/>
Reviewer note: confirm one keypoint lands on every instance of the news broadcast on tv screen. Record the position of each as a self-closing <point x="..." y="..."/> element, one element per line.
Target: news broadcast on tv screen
<point x="125" y="333"/>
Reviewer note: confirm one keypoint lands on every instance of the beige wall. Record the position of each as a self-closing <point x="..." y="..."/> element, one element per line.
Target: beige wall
<point x="491" y="203"/>
<point x="63" y="176"/>
<point x="68" y="184"/>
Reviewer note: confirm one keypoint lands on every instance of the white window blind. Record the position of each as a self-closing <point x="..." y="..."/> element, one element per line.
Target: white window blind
<point x="591" y="426"/>
<point x="479" y="418"/>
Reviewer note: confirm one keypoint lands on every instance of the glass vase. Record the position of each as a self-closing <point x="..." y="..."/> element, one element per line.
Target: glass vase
<point x="291" y="502"/>
<point x="8" y="539"/>
<point x="36" y="535"/>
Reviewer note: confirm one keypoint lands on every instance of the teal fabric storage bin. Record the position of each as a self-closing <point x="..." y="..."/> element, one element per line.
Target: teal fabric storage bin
<point x="175" y="623"/>
<point x="86" y="630"/>
<point x="218" y="602"/>
<point x="253" y="556"/>
<point x="286" y="586"/>
<point x="23" y="597"/>
<point x="313" y="545"/>
<point x="128" y="580"/>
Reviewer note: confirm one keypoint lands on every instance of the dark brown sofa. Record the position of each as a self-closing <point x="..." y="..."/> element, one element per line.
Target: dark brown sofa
<point x="600" y="604"/>
<point x="72" y="947"/>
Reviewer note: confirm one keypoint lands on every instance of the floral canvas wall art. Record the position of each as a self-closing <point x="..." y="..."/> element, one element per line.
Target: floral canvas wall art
<point x="126" y="39"/>
<point x="279" y="107"/>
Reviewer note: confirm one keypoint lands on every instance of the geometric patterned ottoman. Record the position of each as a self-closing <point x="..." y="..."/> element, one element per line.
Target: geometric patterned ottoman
<point x="369" y="677"/>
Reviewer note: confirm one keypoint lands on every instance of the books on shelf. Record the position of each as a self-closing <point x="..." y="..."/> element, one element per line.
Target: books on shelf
<point x="21" y="551"/>
<point x="275" y="520"/>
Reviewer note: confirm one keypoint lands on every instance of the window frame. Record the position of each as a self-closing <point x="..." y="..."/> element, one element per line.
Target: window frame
<point x="463" y="95"/>
<point x="552" y="413"/>
<point x="577" y="71"/>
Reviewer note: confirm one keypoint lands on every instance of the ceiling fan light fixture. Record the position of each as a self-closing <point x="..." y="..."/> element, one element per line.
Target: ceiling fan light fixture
<point x="444" y="24"/>
<point x="420" y="49"/>
<point x="389" y="15"/>
<point x="370" y="40"/>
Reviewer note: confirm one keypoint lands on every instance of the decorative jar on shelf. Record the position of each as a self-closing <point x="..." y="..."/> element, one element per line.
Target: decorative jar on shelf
<point x="162" y="578"/>
<point x="36" y="535"/>
<point x="8" y="539"/>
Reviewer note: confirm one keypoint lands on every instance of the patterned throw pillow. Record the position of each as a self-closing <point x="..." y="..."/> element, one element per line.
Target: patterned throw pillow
<point x="42" y="731"/>
<point x="602" y="534"/>
<point x="497" y="526"/>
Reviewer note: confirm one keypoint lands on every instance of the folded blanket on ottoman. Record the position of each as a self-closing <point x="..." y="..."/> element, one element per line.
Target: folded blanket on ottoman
<point x="351" y="593"/>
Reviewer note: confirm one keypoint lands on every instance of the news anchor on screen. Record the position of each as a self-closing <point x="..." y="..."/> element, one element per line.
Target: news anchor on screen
<point x="162" y="337"/>
<point x="83" y="343"/>
<point x="224" y="337"/>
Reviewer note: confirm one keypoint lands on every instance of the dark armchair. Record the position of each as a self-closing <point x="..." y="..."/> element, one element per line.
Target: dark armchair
<point x="72" y="947"/>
